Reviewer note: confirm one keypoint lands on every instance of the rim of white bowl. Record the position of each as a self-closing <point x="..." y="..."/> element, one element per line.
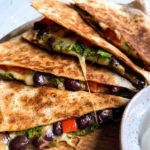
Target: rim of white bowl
<point x="125" y="115"/>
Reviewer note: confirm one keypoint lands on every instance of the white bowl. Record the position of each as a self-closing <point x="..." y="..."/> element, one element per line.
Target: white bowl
<point x="132" y="120"/>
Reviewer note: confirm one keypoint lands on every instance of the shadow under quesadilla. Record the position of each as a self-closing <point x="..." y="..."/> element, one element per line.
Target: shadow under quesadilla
<point x="53" y="37"/>
<point x="124" y="25"/>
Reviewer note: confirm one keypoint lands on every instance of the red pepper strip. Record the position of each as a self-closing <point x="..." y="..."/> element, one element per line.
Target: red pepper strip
<point x="111" y="36"/>
<point x="3" y="67"/>
<point x="69" y="125"/>
<point x="22" y="71"/>
<point x="85" y="41"/>
<point x="47" y="21"/>
<point x="94" y="87"/>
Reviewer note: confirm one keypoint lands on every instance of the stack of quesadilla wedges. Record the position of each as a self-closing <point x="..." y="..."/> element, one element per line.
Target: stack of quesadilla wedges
<point x="48" y="97"/>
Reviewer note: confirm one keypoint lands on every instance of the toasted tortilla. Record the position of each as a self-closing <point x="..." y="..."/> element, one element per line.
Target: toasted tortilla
<point x="20" y="53"/>
<point x="130" y="20"/>
<point x="23" y="107"/>
<point x="66" y="16"/>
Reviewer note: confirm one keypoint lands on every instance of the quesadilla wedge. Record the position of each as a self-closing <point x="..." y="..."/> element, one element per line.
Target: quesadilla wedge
<point x="41" y="117"/>
<point x="21" y="61"/>
<point x="125" y="26"/>
<point x="97" y="50"/>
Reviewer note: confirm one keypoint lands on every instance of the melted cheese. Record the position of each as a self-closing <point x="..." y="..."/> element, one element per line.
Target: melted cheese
<point x="82" y="61"/>
<point x="27" y="78"/>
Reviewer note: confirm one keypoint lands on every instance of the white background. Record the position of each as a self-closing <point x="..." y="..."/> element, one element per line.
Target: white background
<point x="14" y="13"/>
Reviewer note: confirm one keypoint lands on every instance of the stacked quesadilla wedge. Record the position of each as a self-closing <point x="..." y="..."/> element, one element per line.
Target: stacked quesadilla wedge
<point x="83" y="42"/>
<point x="125" y="26"/>
<point x="41" y="116"/>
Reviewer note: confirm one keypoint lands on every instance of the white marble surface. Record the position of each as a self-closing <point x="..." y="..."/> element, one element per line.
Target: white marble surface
<point x="14" y="13"/>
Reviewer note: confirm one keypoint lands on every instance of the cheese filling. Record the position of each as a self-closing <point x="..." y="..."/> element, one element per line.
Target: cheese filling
<point x="34" y="78"/>
<point x="62" y="40"/>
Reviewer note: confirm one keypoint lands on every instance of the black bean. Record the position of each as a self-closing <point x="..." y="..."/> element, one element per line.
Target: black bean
<point x="20" y="142"/>
<point x="84" y="121"/>
<point x="51" y="41"/>
<point x="39" y="142"/>
<point x="117" y="113"/>
<point x="72" y="85"/>
<point x="115" y="90"/>
<point x="49" y="136"/>
<point x="104" y="115"/>
<point x="40" y="26"/>
<point x="57" y="128"/>
<point x="114" y="61"/>
<point x="141" y="84"/>
<point x="39" y="78"/>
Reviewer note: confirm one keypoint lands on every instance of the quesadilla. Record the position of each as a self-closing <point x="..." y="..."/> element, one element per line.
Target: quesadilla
<point x="41" y="117"/>
<point x="125" y="26"/>
<point x="21" y="61"/>
<point x="52" y="36"/>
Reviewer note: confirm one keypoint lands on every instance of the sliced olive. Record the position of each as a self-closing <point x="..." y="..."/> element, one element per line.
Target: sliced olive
<point x="57" y="128"/>
<point x="114" y="61"/>
<point x="73" y="85"/>
<point x="84" y="121"/>
<point x="20" y="142"/>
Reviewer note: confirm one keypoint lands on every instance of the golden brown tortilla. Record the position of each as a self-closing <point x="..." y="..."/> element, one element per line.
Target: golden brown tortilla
<point x="129" y="20"/>
<point x="23" y="107"/>
<point x="18" y="52"/>
<point x="66" y="16"/>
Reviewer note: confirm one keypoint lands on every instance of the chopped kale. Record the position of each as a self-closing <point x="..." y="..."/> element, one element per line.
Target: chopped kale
<point x="90" y="52"/>
<point x="53" y="144"/>
<point x="78" y="47"/>
<point x="103" y="54"/>
<point x="8" y="76"/>
<point x="32" y="132"/>
<point x="56" y="80"/>
<point x="83" y="132"/>
<point x="58" y="45"/>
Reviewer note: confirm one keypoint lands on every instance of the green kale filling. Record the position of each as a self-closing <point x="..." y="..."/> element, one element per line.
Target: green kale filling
<point x="7" y="76"/>
<point x="104" y="55"/>
<point x="83" y="132"/>
<point x="56" y="80"/>
<point x="53" y="144"/>
<point x="32" y="132"/>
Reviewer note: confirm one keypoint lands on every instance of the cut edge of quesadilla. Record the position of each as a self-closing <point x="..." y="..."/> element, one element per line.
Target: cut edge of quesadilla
<point x="64" y="41"/>
<point x="56" y="71"/>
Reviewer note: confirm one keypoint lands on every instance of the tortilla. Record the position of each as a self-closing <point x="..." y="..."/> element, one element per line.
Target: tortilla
<point x="19" y="53"/>
<point x="23" y="107"/>
<point x="67" y="17"/>
<point x="131" y="21"/>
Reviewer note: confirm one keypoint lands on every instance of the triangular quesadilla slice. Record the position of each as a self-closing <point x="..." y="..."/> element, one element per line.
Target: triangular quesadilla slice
<point x="41" y="117"/>
<point x="21" y="61"/>
<point x="52" y="36"/>
<point x="124" y="25"/>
